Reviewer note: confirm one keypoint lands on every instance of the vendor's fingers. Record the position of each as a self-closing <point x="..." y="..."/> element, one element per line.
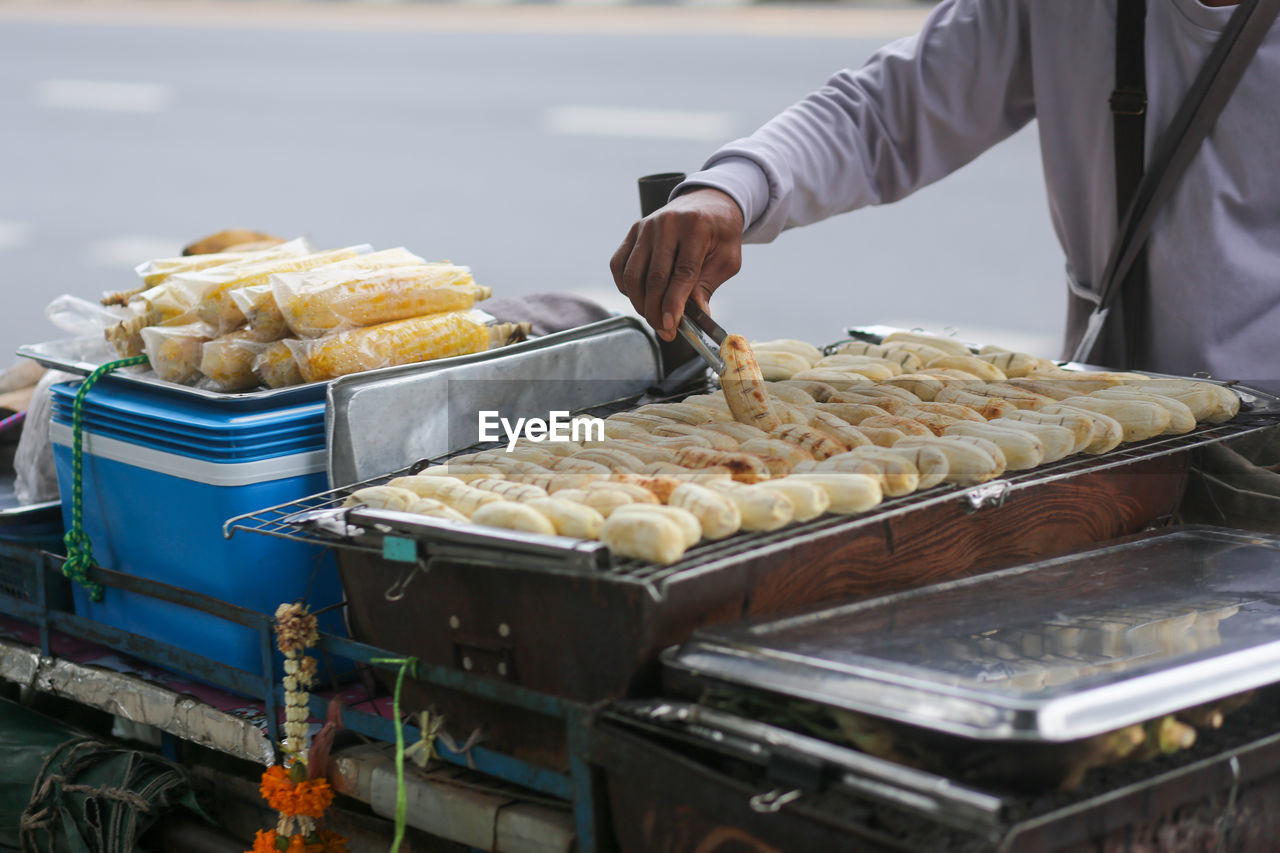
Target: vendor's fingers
<point x="618" y="266"/>
<point x="684" y="277"/>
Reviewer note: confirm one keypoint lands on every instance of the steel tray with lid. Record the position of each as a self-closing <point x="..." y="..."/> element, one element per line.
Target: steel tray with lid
<point x="1053" y="651"/>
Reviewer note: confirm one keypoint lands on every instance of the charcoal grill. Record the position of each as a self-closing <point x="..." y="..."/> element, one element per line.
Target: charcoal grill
<point x="570" y="619"/>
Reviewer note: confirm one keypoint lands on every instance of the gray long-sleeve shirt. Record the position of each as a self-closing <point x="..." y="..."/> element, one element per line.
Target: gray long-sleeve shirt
<point x="981" y="69"/>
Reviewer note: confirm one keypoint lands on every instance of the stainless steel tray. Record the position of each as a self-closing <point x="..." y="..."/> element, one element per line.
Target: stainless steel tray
<point x="386" y="420"/>
<point x="631" y="363"/>
<point x="1054" y="651"/>
<point x="86" y="354"/>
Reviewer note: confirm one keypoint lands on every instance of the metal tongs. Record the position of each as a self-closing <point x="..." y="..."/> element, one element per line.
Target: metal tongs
<point x="704" y="335"/>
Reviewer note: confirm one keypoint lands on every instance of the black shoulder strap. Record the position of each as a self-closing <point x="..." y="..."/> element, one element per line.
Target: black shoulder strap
<point x="1176" y="147"/>
<point x="1129" y="100"/>
<point x="1129" y="118"/>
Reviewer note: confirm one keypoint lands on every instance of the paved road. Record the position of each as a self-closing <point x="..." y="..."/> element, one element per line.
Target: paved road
<point x="507" y="139"/>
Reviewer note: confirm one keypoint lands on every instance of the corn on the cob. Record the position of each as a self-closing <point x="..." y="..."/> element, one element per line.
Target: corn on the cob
<point x="161" y="269"/>
<point x="332" y="299"/>
<point x="174" y="351"/>
<point x="214" y="305"/>
<point x="258" y="302"/>
<point x="263" y="318"/>
<point x="399" y="342"/>
<point x="228" y="361"/>
<point x="276" y="366"/>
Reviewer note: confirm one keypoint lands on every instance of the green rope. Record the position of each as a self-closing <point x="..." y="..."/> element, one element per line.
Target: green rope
<point x="402" y="805"/>
<point x="79" y="548"/>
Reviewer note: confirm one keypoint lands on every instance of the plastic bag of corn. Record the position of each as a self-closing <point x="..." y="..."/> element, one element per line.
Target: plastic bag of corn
<point x="175" y="351"/>
<point x="155" y="271"/>
<point x="210" y="290"/>
<point x="400" y="342"/>
<point x="258" y="302"/>
<point x="333" y="300"/>
<point x="227" y="361"/>
<point x="276" y="367"/>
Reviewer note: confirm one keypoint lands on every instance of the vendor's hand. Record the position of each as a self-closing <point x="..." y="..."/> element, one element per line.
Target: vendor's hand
<point x="683" y="250"/>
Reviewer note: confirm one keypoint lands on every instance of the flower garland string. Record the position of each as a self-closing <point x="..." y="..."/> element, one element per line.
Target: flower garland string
<point x="300" y="801"/>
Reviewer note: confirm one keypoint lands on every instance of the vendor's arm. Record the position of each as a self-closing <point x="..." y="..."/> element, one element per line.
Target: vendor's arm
<point x="919" y="109"/>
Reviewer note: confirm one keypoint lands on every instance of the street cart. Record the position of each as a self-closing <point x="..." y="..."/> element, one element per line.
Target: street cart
<point x="615" y="703"/>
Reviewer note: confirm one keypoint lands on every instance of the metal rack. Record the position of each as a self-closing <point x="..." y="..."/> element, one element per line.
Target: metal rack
<point x="321" y="519"/>
<point x="32" y="604"/>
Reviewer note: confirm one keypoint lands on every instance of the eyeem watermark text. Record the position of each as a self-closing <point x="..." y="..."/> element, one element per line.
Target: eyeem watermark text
<point x="559" y="426"/>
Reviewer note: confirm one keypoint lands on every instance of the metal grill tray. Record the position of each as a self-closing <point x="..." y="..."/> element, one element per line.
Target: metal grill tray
<point x="321" y="519"/>
<point x="1053" y="651"/>
<point x="84" y="355"/>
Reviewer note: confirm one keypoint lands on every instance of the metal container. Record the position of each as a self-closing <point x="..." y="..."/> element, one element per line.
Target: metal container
<point x="1054" y="651"/>
<point x="1000" y="679"/>
<point x="385" y="420"/>
<point x="679" y="778"/>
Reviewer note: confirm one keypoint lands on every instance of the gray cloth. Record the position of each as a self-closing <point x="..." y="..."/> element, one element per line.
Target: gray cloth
<point x="981" y="69"/>
<point x="548" y="312"/>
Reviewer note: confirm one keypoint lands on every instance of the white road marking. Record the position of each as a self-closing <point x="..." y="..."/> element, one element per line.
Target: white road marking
<point x="693" y="125"/>
<point x="130" y="250"/>
<point x="1032" y="343"/>
<point x="107" y="97"/>
<point x="13" y="235"/>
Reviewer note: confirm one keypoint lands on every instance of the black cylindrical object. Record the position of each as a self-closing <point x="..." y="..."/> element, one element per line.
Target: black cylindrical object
<point x="654" y="192"/>
<point x="656" y="189"/>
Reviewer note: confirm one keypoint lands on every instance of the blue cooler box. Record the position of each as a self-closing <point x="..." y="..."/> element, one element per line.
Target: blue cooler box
<point x="161" y="474"/>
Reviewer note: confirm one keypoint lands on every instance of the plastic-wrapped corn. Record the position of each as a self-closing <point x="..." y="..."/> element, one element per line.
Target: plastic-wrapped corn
<point x="276" y="366"/>
<point x="228" y="361"/>
<point x="326" y="301"/>
<point x="400" y="342"/>
<point x="155" y="271"/>
<point x="174" y="351"/>
<point x="258" y="302"/>
<point x="172" y="299"/>
<point x="214" y="305"/>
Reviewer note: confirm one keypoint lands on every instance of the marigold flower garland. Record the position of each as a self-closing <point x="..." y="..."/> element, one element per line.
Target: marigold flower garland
<point x="299" y="800"/>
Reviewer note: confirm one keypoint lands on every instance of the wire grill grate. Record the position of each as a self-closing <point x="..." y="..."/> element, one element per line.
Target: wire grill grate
<point x="280" y="521"/>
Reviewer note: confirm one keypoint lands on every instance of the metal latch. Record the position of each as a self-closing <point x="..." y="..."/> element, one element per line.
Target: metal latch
<point x="773" y="801"/>
<point x="988" y="494"/>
